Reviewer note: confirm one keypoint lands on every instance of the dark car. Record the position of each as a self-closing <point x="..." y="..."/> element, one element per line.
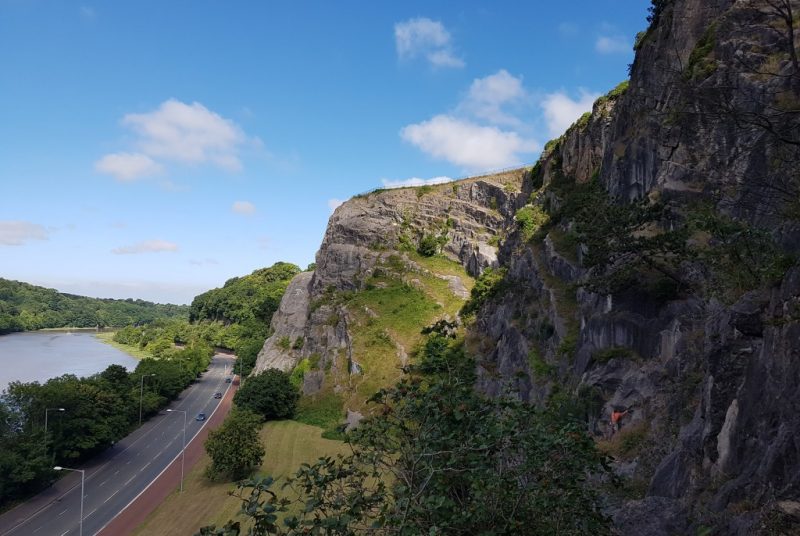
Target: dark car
<point x="217" y="395"/>
<point x="200" y="417"/>
<point x="228" y="380"/>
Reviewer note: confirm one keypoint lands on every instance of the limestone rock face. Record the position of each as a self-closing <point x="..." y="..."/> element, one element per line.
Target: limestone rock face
<point x="466" y="215"/>
<point x="289" y="321"/>
<point x="714" y="388"/>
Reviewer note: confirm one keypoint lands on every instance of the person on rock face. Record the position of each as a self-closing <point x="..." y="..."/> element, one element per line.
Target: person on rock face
<point x="616" y="420"/>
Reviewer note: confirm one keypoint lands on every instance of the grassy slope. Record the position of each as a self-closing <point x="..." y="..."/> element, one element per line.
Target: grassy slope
<point x="385" y="321"/>
<point x="133" y="351"/>
<point x="288" y="444"/>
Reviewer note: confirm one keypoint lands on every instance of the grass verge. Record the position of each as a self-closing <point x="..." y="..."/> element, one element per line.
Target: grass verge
<point x="288" y="444"/>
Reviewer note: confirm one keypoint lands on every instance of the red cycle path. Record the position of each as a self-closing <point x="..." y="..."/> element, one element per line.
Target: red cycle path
<point x="142" y="506"/>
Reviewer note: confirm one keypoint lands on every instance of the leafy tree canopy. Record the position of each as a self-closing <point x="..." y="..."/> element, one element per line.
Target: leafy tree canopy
<point x="25" y="307"/>
<point x="270" y="394"/>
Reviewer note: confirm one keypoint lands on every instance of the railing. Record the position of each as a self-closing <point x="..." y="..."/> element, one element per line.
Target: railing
<point x="452" y="179"/>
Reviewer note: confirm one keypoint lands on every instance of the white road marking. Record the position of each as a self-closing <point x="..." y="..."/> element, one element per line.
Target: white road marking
<point x="62" y="513"/>
<point x="116" y="472"/>
<point x="129" y="480"/>
<point x="109" y="497"/>
<point x="103" y="482"/>
<point x="37" y="530"/>
<point x="63" y="533"/>
<point x="143" y="468"/>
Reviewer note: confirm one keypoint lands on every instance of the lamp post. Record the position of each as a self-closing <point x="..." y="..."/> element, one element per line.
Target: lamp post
<point x="45" y="426"/>
<point x="141" y="396"/>
<point x="183" y="450"/>
<point x="83" y="475"/>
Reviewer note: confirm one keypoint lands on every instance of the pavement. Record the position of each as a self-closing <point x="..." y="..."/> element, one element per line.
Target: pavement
<point x="115" y="481"/>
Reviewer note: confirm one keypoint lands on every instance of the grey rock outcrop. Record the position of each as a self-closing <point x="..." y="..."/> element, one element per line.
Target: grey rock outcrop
<point x="288" y="324"/>
<point x="370" y="229"/>
<point x="715" y="387"/>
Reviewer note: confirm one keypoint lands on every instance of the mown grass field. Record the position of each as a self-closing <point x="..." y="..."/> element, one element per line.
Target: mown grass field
<point x="288" y="444"/>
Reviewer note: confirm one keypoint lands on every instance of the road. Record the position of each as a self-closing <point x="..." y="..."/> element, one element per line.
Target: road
<point x="133" y="463"/>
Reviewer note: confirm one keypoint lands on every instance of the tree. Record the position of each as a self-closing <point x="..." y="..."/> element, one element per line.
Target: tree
<point x="437" y="457"/>
<point x="234" y="447"/>
<point x="270" y="394"/>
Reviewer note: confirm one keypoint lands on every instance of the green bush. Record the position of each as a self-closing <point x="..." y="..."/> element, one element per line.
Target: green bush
<point x="613" y="352"/>
<point x="271" y="394"/>
<point x="428" y="246"/>
<point x="530" y="219"/>
<point x="488" y="284"/>
<point x="235" y="448"/>
<point x="540" y="368"/>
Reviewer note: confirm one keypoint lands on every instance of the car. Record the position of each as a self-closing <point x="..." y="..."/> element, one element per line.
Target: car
<point x="217" y="395"/>
<point x="200" y="417"/>
<point x="228" y="380"/>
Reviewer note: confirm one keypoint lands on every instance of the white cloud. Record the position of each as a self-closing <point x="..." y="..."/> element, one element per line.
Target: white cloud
<point x="243" y="207"/>
<point x="414" y="181"/>
<point x="427" y="38"/>
<point x="613" y="44"/>
<point x="488" y="95"/>
<point x="444" y="58"/>
<point x="560" y="111"/>
<point x="180" y="132"/>
<point x="467" y="144"/>
<point x="189" y="133"/>
<point x="148" y="246"/>
<point x="334" y="203"/>
<point x="127" y="167"/>
<point x="16" y="233"/>
<point x="568" y="29"/>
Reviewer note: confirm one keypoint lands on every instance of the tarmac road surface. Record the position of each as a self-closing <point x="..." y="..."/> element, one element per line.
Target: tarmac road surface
<point x="126" y="469"/>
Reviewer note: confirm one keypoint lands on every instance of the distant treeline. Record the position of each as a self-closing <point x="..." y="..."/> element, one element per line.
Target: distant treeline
<point x="25" y="307"/>
<point x="98" y="411"/>
<point x="236" y="316"/>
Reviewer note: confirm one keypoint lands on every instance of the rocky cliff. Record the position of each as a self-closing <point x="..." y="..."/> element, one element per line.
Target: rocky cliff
<point x="702" y="360"/>
<point x="372" y="290"/>
<point x="650" y="270"/>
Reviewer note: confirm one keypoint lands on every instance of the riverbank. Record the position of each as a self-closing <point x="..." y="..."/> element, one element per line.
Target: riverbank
<point x="133" y="351"/>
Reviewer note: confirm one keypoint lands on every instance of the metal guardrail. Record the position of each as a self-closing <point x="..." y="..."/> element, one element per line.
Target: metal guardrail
<point x="452" y="179"/>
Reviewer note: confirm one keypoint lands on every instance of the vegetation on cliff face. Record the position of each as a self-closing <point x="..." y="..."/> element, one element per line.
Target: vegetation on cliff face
<point x="25" y="307"/>
<point x="438" y="458"/>
<point x="405" y="292"/>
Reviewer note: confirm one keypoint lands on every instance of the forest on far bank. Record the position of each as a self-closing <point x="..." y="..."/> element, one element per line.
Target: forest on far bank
<point x="26" y="307"/>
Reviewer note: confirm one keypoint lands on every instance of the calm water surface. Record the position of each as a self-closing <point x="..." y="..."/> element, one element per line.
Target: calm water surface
<point x="40" y="356"/>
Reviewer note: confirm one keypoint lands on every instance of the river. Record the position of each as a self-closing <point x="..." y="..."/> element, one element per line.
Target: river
<point x="39" y="356"/>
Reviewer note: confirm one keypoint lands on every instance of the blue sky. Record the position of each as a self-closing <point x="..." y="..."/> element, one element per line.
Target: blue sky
<point x="154" y="149"/>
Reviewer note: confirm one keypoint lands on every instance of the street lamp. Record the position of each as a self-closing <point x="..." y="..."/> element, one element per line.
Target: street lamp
<point x="83" y="475"/>
<point x="45" y="426"/>
<point x="183" y="450"/>
<point x="141" y="395"/>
